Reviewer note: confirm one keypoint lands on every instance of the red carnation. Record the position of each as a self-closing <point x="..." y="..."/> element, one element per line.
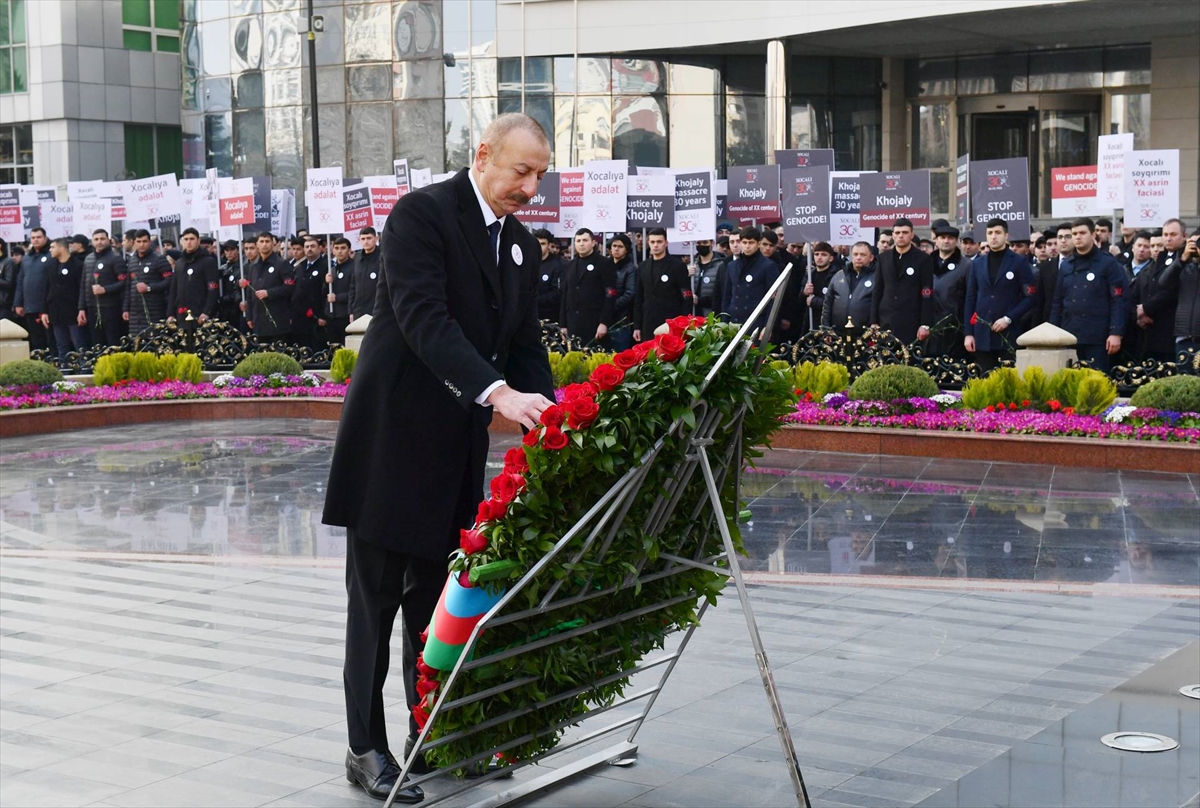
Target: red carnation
<point x="669" y="347"/>
<point x="490" y="510"/>
<point x="426" y="686"/>
<point x="1068" y="411"/>
<point x="422" y="667"/>
<point x="472" y="541"/>
<point x="531" y="437"/>
<point x="583" y="390"/>
<point x="420" y="716"/>
<point x="424" y="636"/>
<point x="607" y="376"/>
<point x="990" y="408"/>
<point x="1025" y="403"/>
<point x="581" y="412"/>
<point x="516" y="461"/>
<point x="552" y="416"/>
<point x="628" y="359"/>
<point x="308" y="313"/>
<point x="975" y="318"/>
<point x="1054" y="405"/>
<point x="505" y="486"/>
<point x="554" y="439"/>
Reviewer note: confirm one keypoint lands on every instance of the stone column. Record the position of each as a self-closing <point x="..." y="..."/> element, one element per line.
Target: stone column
<point x="14" y="342"/>
<point x="777" y="103"/>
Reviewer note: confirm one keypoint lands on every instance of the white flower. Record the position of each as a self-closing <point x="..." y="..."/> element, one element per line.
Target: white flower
<point x="829" y="397"/>
<point x="224" y="380"/>
<point x="945" y="399"/>
<point x="66" y="386"/>
<point x="311" y="379"/>
<point x="1118" y="414"/>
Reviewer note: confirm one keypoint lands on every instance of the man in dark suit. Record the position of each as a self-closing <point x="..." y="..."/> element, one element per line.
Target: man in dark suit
<point x="457" y="339"/>
<point x="903" y="298"/>
<point x="1000" y="292"/>
<point x="589" y="292"/>
<point x="272" y="280"/>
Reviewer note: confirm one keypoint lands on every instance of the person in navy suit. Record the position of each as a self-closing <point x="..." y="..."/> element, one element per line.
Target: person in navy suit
<point x="1000" y="291"/>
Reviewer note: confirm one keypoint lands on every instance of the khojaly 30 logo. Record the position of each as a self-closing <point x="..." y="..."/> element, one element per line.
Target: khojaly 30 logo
<point x="751" y="175"/>
<point x="892" y="183"/>
<point x="803" y="187"/>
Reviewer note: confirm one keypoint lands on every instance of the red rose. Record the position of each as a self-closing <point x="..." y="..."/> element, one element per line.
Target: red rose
<point x="669" y="347"/>
<point x="420" y="716"/>
<point x="581" y="412"/>
<point x="628" y="359"/>
<point x="606" y="377"/>
<point x="472" y="541"/>
<point x="422" y="667"/>
<point x="531" y="437"/>
<point x="643" y="349"/>
<point x="554" y="439"/>
<point x="516" y="461"/>
<point x="426" y="686"/>
<point x="490" y="510"/>
<point x="584" y="390"/>
<point x="552" y="416"/>
<point x="464" y="579"/>
<point x="505" y="486"/>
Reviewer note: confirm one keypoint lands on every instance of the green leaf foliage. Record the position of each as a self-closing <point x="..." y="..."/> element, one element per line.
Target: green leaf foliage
<point x="265" y="363"/>
<point x="654" y="399"/>
<point x="893" y="381"/>
<point x="1174" y="393"/>
<point x="144" y="367"/>
<point x="111" y="368"/>
<point x="1001" y="386"/>
<point x="1095" y="394"/>
<point x="342" y="366"/>
<point x="21" y="372"/>
<point x="821" y="379"/>
<point x="187" y="367"/>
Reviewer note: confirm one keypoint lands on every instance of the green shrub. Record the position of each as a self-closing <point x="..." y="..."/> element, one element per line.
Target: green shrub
<point x="165" y="366"/>
<point x="28" y="371"/>
<point x="185" y="367"/>
<point x="893" y="381"/>
<point x="342" y="366"/>
<point x="266" y="363"/>
<point x="1037" y="383"/>
<point x="594" y="361"/>
<point x="1001" y="386"/>
<point x="144" y="367"/>
<point x="1095" y="394"/>
<point x="111" y="368"/>
<point x="1175" y="393"/>
<point x="1064" y="385"/>
<point x="821" y="379"/>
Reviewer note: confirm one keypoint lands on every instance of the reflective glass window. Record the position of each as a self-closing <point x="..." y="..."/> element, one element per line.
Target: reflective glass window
<point x="369" y="83"/>
<point x="538" y="107"/>
<point x="419" y="135"/>
<point x="458" y="134"/>
<point x="930" y="77"/>
<point x="582" y="130"/>
<point x="745" y="130"/>
<point x="695" y="122"/>
<point x="595" y="75"/>
<point x="1126" y="66"/>
<point x="368" y="33"/>
<point x="508" y="76"/>
<point x="931" y="136"/>
<point x="810" y="124"/>
<point x="483" y="25"/>
<point x="857" y="134"/>
<point x="248" y="91"/>
<point x="454" y="27"/>
<point x="855" y="76"/>
<point x="994" y="73"/>
<point x="281" y="88"/>
<point x="331" y="85"/>
<point x="417" y="30"/>
<point x="249" y="144"/>
<point x="693" y="79"/>
<point x="539" y="75"/>
<point x="1066" y="69"/>
<point x="218" y="142"/>
<point x="1130" y="112"/>
<point x="809" y="75"/>
<point x="640" y="130"/>
<point x="332" y="118"/>
<point x="217" y="94"/>
<point x="281" y="40"/>
<point x="247" y="43"/>
<point x="483" y="77"/>
<point x="370" y="139"/>
<point x="214" y="47"/>
<point x="417" y="79"/>
<point x="638" y="76"/>
<point x="746" y="74"/>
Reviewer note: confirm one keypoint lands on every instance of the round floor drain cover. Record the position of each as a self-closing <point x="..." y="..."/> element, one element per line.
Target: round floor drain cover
<point x="1139" y="742"/>
<point x="1191" y="691"/>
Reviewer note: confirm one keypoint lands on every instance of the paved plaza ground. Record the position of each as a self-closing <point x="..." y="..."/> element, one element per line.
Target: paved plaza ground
<point x="171" y="626"/>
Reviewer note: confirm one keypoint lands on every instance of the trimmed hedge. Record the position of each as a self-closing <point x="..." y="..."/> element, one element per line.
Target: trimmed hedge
<point x="21" y="372"/>
<point x="893" y="381"/>
<point x="266" y="363"/>
<point x="1174" y="393"/>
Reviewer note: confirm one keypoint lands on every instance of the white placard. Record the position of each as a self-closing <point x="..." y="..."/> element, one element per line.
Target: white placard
<point x="193" y="194"/>
<point x="1151" y="187"/>
<point x="1110" y="177"/>
<point x="323" y="197"/>
<point x="421" y="177"/>
<point x="151" y="198"/>
<point x="92" y="215"/>
<point x="843" y="210"/>
<point x="89" y="189"/>
<point x="58" y="219"/>
<point x="605" y="187"/>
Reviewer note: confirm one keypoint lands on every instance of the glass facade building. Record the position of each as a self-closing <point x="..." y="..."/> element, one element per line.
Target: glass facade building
<point x="422" y="78"/>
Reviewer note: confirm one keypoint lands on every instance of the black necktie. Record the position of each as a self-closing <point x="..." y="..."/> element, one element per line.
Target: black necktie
<point x="494" y="235"/>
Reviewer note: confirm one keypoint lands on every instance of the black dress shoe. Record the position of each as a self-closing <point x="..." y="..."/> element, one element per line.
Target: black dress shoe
<point x="376" y="773"/>
<point x="419" y="765"/>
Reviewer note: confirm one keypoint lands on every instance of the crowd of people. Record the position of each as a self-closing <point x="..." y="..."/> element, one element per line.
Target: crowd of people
<point x="1125" y="297"/>
<point x="74" y="293"/>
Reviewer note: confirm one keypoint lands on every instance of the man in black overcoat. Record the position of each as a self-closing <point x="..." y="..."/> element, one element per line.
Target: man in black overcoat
<point x="903" y="298"/>
<point x="454" y="336"/>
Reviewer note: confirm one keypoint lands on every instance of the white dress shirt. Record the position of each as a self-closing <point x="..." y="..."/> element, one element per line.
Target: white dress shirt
<point x="488" y="217"/>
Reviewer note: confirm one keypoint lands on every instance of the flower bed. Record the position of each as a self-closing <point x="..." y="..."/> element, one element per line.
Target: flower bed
<point x="943" y="413"/>
<point x="65" y="394"/>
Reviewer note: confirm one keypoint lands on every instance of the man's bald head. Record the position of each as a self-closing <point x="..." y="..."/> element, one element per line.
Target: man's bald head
<point x="513" y="155"/>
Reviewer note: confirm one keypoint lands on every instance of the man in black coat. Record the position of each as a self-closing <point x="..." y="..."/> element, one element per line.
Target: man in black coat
<point x="1048" y="270"/>
<point x="1150" y="312"/>
<point x="903" y="298"/>
<point x="229" y="292"/>
<point x="950" y="272"/>
<point x="195" y="284"/>
<point x="102" y="290"/>
<point x="271" y="282"/>
<point x="455" y="337"/>
<point x="309" y="303"/>
<point x="62" y="298"/>
<point x="664" y="289"/>
<point x="366" y="274"/>
<point x="340" y="279"/>
<point x="550" y="281"/>
<point x="748" y="279"/>
<point x="589" y="292"/>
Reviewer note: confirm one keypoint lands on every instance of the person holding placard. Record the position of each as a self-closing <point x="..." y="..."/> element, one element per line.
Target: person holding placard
<point x="337" y="300"/>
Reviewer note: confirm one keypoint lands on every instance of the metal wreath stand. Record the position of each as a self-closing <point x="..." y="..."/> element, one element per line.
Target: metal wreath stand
<point x="607" y="515"/>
